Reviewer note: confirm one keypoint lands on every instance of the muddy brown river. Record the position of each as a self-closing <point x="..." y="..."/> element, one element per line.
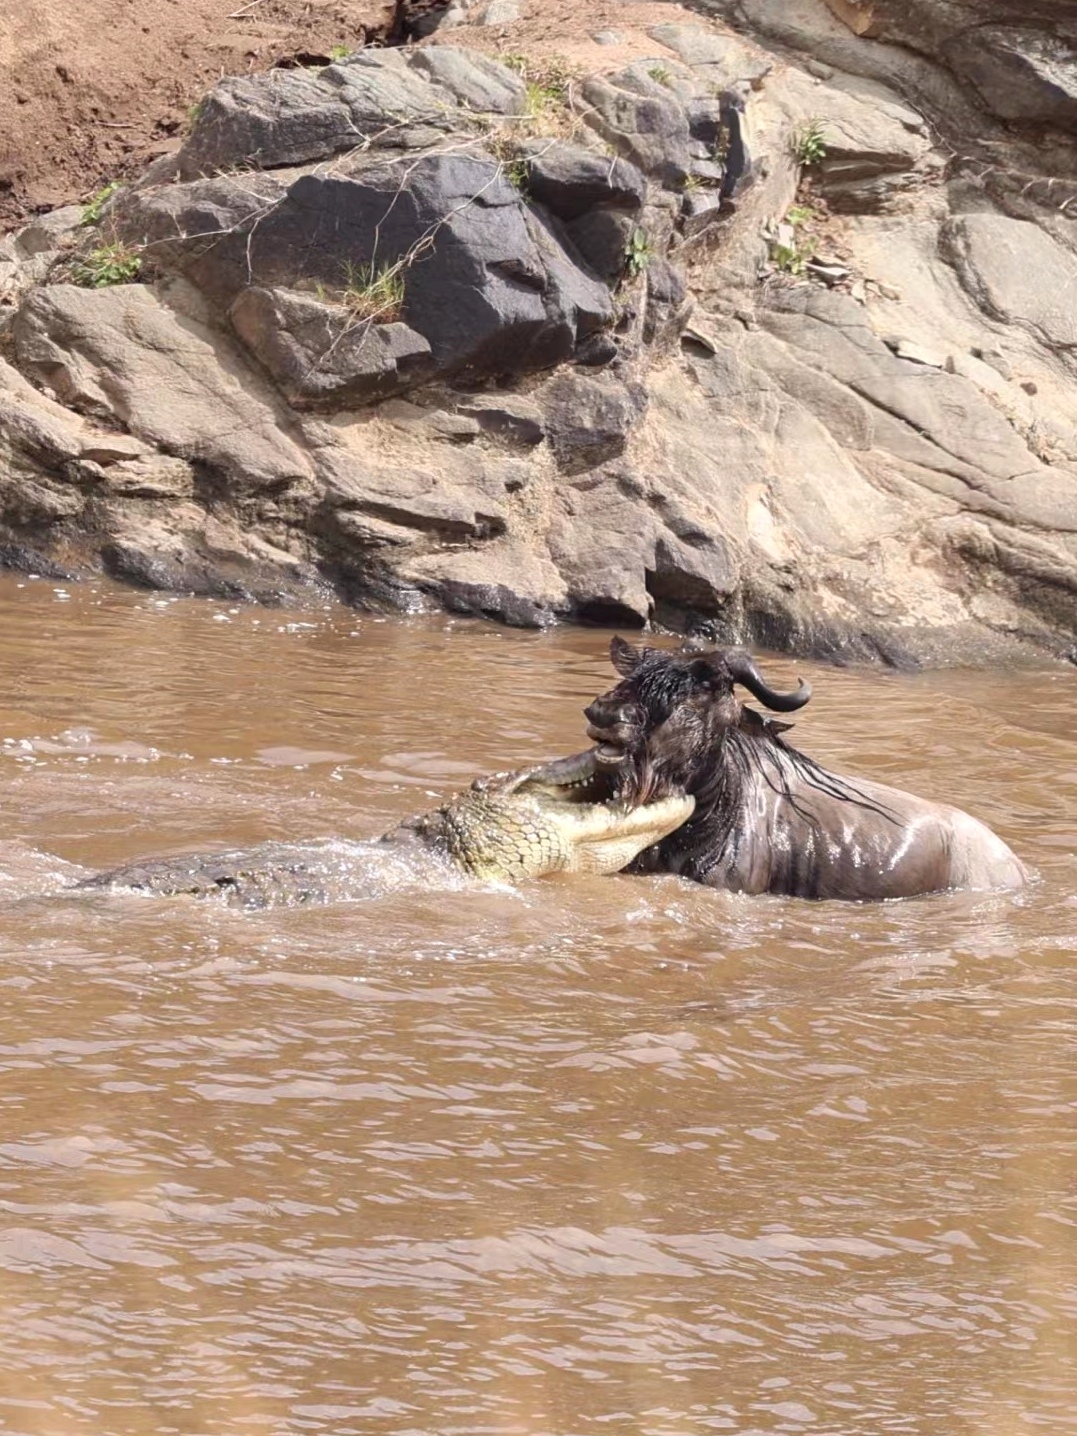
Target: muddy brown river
<point x="598" y="1155"/>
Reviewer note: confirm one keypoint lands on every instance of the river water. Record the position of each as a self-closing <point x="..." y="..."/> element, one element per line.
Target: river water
<point x="600" y="1155"/>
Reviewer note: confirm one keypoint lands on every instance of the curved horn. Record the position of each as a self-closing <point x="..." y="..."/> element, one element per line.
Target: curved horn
<point x="748" y="675"/>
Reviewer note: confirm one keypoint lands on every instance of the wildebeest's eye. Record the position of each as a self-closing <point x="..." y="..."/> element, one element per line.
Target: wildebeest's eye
<point x="702" y="674"/>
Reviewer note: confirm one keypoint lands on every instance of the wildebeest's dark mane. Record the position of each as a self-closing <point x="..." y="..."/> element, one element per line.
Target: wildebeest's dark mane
<point x="766" y="745"/>
<point x="718" y="779"/>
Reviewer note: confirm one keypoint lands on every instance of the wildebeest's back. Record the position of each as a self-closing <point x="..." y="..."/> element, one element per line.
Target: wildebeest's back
<point x="884" y="843"/>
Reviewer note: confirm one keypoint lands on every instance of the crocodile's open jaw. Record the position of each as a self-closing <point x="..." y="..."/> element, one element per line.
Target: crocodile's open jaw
<point x="579" y="795"/>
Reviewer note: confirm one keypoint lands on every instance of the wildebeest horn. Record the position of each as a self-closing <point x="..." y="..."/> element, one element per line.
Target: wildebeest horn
<point x="745" y="672"/>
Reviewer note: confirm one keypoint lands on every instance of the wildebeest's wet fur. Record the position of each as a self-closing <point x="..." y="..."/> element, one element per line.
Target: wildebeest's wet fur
<point x="768" y="818"/>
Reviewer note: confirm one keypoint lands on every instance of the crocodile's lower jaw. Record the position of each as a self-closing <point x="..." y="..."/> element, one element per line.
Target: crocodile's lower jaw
<point x="562" y="816"/>
<point x="630" y="832"/>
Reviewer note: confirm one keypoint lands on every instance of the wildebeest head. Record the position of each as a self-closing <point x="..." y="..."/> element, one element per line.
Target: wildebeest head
<point x="661" y="727"/>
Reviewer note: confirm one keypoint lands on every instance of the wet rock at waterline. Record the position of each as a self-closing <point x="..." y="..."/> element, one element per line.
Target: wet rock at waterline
<point x="425" y="329"/>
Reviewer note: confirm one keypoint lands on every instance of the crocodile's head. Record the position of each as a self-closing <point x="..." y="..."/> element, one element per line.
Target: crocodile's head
<point x="562" y="816"/>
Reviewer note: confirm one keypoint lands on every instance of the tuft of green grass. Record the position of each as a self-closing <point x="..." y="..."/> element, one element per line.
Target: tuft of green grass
<point x="660" y="74"/>
<point x="512" y="164"/>
<point x="542" y="95"/>
<point x="809" y="144"/>
<point x="91" y="212"/>
<point x="373" y="291"/>
<point x="638" y="254"/>
<point x="339" y="52"/>
<point x="108" y="264"/>
<point x="546" y="83"/>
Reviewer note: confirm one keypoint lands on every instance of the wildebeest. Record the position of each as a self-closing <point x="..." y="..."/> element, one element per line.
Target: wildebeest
<point x="768" y="819"/>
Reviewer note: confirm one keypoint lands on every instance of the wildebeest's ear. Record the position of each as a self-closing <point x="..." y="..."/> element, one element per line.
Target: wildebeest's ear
<point x="762" y="724"/>
<point x="625" y="656"/>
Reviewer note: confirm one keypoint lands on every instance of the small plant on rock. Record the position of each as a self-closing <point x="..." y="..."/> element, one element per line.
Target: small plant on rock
<point x="91" y="211"/>
<point x="788" y="258"/>
<point x="339" y="52"/>
<point x="108" y="264"/>
<point x="660" y="75"/>
<point x="373" y="291"/>
<point x="809" y="144"/>
<point x="516" y="173"/>
<point x="790" y="247"/>
<point x="638" y="254"/>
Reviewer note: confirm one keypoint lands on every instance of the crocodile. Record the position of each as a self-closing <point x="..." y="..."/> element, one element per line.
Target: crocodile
<point x="564" y="816"/>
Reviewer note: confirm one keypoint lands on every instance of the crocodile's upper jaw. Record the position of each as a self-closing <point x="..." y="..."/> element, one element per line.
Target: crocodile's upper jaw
<point x="575" y="797"/>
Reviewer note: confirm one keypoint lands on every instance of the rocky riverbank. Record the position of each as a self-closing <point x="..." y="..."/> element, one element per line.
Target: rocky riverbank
<point x="755" y="320"/>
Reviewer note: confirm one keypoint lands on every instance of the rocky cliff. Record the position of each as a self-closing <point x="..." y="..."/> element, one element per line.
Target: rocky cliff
<point x="758" y="320"/>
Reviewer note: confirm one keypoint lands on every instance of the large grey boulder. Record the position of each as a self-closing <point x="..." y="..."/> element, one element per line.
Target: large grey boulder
<point x="641" y="120"/>
<point x="323" y="355"/>
<point x="473" y="79"/>
<point x="485" y="283"/>
<point x="571" y="180"/>
<point x="371" y="100"/>
<point x="1017" y="273"/>
<point x="123" y="355"/>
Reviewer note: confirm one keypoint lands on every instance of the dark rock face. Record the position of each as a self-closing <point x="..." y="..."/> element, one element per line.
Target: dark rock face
<point x="393" y="342"/>
<point x="1020" y="73"/>
<point x="602" y="238"/>
<point x="486" y="285"/>
<point x="484" y="290"/>
<point x="292" y="117"/>
<point x="476" y="289"/>
<point x="570" y="180"/>
<point x="323" y="355"/>
<point x="588" y="421"/>
<point x="642" y="120"/>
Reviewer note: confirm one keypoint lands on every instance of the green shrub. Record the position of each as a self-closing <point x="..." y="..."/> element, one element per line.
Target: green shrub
<point x="91" y="211"/>
<point x="108" y="264"/>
